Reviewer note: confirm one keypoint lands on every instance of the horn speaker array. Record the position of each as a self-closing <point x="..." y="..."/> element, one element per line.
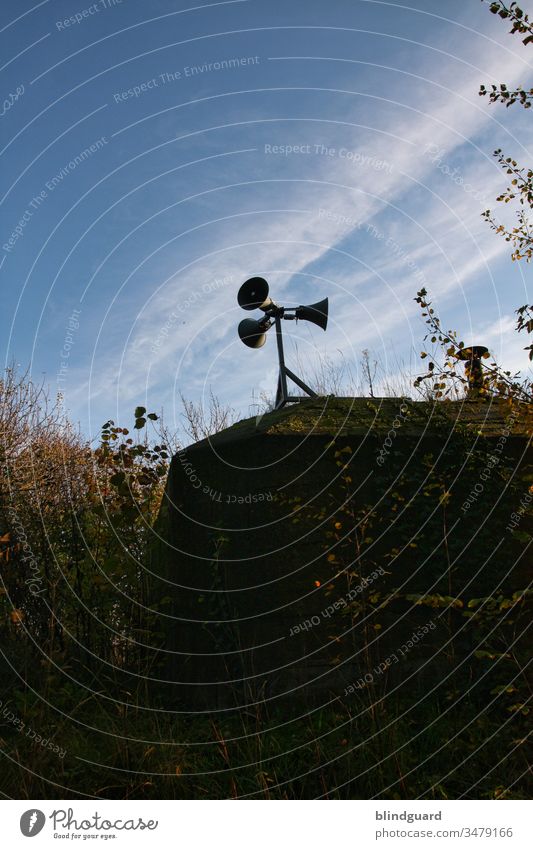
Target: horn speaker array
<point x="253" y="295"/>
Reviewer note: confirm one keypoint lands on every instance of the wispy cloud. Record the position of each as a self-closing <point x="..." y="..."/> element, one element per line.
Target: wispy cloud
<point x="277" y="224"/>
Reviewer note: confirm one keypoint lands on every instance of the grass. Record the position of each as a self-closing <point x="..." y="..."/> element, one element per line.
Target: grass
<point x="408" y="744"/>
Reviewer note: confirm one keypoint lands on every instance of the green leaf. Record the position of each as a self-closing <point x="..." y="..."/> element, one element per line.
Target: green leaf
<point x="139" y="412"/>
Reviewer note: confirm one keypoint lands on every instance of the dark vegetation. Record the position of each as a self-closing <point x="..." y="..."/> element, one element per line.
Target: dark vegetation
<point x="80" y="632"/>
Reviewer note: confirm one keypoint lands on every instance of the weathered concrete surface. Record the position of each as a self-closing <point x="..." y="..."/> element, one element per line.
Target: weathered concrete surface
<point x="269" y="524"/>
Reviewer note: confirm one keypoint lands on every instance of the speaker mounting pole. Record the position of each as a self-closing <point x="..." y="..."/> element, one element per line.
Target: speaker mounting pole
<point x="253" y="295"/>
<point x="282" y="395"/>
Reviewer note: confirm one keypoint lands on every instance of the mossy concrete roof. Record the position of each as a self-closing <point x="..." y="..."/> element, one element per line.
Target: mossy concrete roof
<point x="334" y="416"/>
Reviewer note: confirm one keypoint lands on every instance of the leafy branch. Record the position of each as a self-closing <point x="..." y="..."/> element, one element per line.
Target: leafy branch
<point x="525" y="322"/>
<point x="133" y="472"/>
<point x="444" y="376"/>
<point x="521" y="190"/>
<point x="520" y="21"/>
<point x="504" y="95"/>
<point x="520" y="236"/>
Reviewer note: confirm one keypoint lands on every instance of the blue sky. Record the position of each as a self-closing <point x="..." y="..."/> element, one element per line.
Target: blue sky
<point x="155" y="155"/>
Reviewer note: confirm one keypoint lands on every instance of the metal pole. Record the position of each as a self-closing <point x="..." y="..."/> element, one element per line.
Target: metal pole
<point x="300" y="383"/>
<point x="282" y="393"/>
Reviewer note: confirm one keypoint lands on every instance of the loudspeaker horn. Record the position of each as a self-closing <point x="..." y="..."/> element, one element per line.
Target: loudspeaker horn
<point x="316" y="313"/>
<point x="252" y="333"/>
<point x="253" y="294"/>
